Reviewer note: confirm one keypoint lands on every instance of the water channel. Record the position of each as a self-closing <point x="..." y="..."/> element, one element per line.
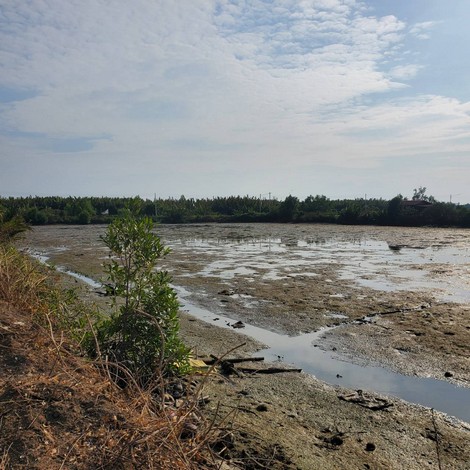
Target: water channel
<point x="302" y="351"/>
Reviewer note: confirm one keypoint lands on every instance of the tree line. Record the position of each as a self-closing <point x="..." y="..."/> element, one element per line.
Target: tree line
<point x="419" y="210"/>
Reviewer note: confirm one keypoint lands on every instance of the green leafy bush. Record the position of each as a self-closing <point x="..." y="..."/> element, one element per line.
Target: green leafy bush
<point x="10" y="226"/>
<point x="143" y="332"/>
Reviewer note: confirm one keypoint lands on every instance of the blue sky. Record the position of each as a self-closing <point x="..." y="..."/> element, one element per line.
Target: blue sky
<point x="219" y="97"/>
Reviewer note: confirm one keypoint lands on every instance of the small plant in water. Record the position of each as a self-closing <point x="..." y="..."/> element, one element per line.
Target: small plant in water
<point x="142" y="334"/>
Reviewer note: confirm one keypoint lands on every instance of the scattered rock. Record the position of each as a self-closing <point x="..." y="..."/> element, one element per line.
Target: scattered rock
<point x="366" y="401"/>
<point x="431" y="434"/>
<point x="370" y="447"/>
<point x="336" y="440"/>
<point x="448" y="374"/>
<point x="238" y="324"/>
<point x="226" y="292"/>
<point x="176" y="390"/>
<point x="262" y="407"/>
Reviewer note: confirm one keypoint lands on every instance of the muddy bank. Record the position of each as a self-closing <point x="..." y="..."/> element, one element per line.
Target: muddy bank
<point x="297" y="279"/>
<point x="282" y="281"/>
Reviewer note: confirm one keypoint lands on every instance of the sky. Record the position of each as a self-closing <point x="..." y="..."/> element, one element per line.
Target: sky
<point x="208" y="98"/>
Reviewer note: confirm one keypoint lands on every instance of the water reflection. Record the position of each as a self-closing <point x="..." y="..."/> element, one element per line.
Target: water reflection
<point x="302" y="351"/>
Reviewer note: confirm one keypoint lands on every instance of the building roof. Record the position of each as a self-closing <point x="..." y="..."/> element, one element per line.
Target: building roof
<point x="416" y="203"/>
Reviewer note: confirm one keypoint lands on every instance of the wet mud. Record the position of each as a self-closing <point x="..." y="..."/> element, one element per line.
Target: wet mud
<point x="296" y="279"/>
<point x="378" y="296"/>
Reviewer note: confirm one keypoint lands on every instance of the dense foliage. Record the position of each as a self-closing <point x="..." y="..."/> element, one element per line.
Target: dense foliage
<point x="11" y="225"/>
<point x="314" y="209"/>
<point x="142" y="332"/>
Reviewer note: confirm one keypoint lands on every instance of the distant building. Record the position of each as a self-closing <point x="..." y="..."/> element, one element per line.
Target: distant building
<point x="418" y="204"/>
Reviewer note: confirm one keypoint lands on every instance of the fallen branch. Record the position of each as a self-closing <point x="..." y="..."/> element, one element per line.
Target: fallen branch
<point x="234" y="360"/>
<point x="398" y="310"/>
<point x="271" y="370"/>
<point x="436" y="433"/>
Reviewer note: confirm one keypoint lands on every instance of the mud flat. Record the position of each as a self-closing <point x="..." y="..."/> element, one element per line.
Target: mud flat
<point x="389" y="297"/>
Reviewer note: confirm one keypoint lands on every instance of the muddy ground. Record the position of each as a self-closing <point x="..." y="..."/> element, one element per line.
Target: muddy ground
<point x="285" y="278"/>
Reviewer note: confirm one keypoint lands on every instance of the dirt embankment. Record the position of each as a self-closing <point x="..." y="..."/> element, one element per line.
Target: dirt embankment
<point x="59" y="411"/>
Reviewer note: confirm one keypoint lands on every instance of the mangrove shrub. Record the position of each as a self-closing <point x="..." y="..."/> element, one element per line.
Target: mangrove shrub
<point x="142" y="334"/>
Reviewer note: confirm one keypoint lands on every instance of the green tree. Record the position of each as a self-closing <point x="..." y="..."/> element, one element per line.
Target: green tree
<point x="394" y="209"/>
<point x="143" y="332"/>
<point x="288" y="210"/>
<point x="79" y="210"/>
<point x="10" y="227"/>
<point x="420" y="195"/>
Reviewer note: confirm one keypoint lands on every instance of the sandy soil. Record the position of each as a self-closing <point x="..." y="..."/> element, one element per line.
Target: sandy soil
<point x="298" y="421"/>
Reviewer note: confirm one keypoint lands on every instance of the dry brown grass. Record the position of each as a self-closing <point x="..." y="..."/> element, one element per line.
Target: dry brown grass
<point x="23" y="282"/>
<point x="61" y="411"/>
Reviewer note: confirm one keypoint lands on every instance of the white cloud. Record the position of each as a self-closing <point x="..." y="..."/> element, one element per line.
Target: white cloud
<point x="405" y="72"/>
<point x="423" y="125"/>
<point x="422" y="30"/>
<point x="212" y="85"/>
<point x="91" y="62"/>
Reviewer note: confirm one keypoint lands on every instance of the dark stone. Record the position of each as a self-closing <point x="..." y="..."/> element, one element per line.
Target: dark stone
<point x="262" y="407"/>
<point x="370" y="447"/>
<point x="336" y="441"/>
<point x="226" y="292"/>
<point x="448" y="374"/>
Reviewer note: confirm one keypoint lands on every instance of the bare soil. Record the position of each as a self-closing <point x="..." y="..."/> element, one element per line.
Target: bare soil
<point x="292" y="420"/>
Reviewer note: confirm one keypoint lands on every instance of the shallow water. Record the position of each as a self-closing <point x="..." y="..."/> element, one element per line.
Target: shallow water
<point x="301" y="351"/>
<point x="361" y="255"/>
